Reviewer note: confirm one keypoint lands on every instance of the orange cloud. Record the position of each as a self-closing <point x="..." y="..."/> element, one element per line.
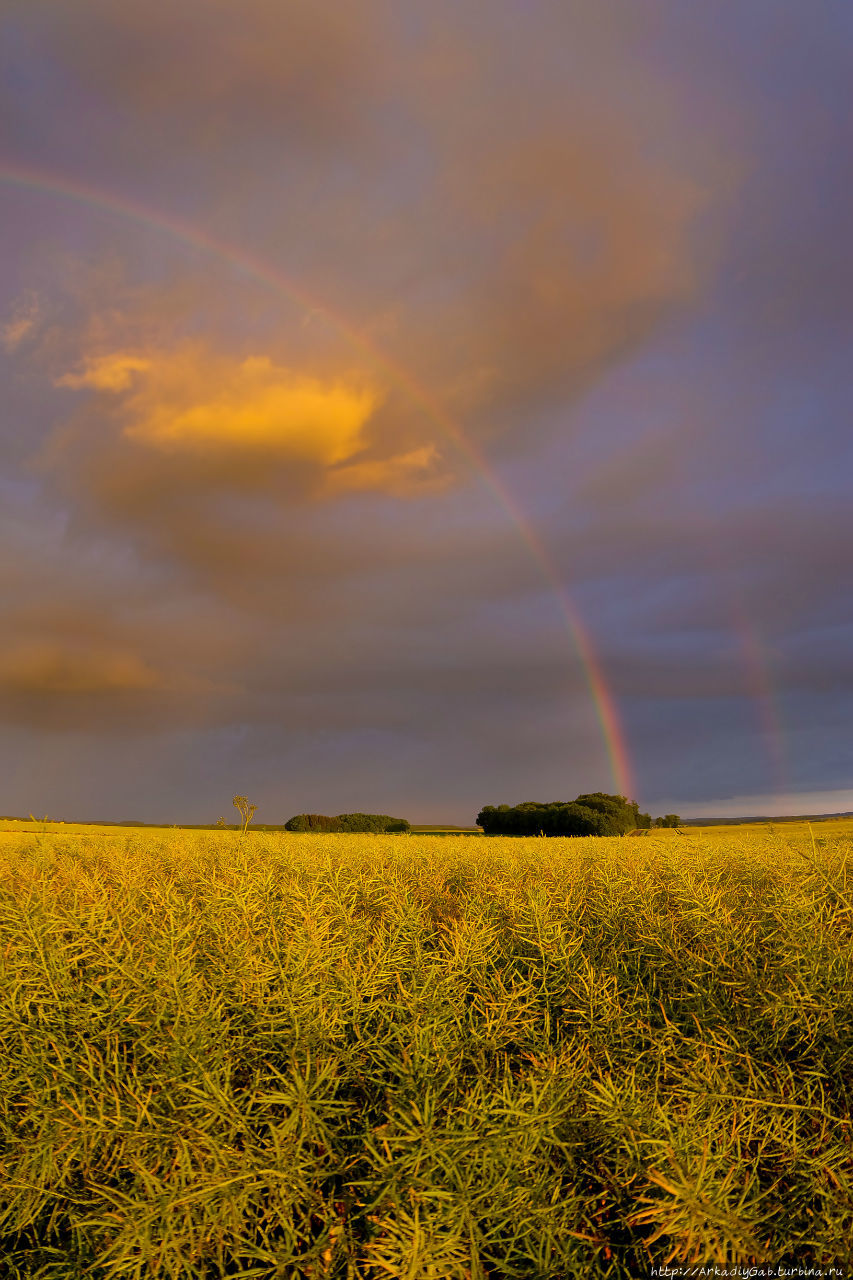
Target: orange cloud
<point x="192" y="401"/>
<point x="113" y="372"/>
<point x="260" y="407"/>
<point x="398" y="475"/>
<point x="58" y="669"/>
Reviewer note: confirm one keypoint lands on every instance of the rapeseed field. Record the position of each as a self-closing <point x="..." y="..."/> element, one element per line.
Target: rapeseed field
<point x="434" y="1058"/>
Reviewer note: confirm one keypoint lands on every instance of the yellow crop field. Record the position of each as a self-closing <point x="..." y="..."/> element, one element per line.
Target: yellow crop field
<point x="441" y="1058"/>
<point x="789" y="828"/>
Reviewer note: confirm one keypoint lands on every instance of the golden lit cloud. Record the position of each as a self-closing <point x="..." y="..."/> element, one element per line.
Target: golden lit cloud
<point x="57" y="669"/>
<point x="262" y="408"/>
<point x="113" y="372"/>
<point x="397" y="475"/>
<point x="192" y="401"/>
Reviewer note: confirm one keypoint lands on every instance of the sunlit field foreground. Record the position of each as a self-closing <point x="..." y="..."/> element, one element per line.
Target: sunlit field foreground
<point x="367" y="1056"/>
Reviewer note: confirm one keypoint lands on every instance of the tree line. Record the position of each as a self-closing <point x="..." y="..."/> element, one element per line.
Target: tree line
<point x="378" y="823"/>
<point x="594" y="814"/>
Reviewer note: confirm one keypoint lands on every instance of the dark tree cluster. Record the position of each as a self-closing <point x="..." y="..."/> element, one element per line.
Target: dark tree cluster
<point x="597" y="814"/>
<point x="377" y="823"/>
<point x="668" y="820"/>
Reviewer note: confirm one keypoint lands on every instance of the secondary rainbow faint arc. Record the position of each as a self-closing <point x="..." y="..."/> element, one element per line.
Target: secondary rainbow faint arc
<point x="608" y="716"/>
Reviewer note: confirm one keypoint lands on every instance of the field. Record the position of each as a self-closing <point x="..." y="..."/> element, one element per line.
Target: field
<point x="431" y="1057"/>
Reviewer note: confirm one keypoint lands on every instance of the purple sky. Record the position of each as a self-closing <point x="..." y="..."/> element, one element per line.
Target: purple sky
<point x="593" y="257"/>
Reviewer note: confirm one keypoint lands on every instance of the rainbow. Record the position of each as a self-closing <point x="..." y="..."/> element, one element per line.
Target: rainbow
<point x="756" y="665"/>
<point x="756" y="662"/>
<point x="612" y="731"/>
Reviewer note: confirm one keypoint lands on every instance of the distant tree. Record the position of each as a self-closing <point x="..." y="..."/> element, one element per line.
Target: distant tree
<point x="623" y="815"/>
<point x="597" y="814"/>
<point x="668" y="820"/>
<point x="644" y="821"/>
<point x="377" y="823"/>
<point x="310" y="822"/>
<point x="245" y="810"/>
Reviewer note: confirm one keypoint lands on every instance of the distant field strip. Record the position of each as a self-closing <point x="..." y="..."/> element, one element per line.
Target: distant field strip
<point x="434" y="1057"/>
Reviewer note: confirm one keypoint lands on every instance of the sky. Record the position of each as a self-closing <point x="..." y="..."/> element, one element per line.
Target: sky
<point x="407" y="408"/>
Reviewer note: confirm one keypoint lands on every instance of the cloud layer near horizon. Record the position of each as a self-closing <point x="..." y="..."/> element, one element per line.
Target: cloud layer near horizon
<point x="256" y="510"/>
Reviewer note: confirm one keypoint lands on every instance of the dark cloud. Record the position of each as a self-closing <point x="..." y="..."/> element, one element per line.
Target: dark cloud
<point x="208" y="75"/>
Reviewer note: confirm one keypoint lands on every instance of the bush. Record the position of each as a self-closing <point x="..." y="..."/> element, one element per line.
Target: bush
<point x="311" y="822"/>
<point x="595" y="814"/>
<point x="668" y="820"/>
<point x="377" y="823"/>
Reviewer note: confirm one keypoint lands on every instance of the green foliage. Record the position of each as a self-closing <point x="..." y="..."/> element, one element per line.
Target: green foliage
<point x="668" y="820"/>
<point x="448" y="1057"/>
<point x="311" y="822"/>
<point x="596" y="814"/>
<point x="378" y="823"/>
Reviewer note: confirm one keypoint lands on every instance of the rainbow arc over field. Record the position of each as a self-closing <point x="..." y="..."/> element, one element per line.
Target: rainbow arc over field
<point x="198" y="238"/>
